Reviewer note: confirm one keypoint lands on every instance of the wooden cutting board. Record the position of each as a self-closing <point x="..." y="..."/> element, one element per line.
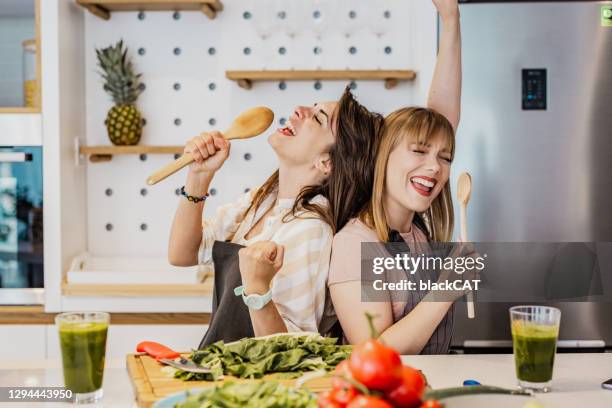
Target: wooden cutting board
<point x="151" y="383"/>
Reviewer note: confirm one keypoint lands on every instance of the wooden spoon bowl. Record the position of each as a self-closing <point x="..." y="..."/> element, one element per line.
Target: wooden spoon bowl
<point x="249" y="123"/>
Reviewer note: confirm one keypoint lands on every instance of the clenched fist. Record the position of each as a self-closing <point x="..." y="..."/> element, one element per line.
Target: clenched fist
<point x="209" y="151"/>
<point x="258" y="264"/>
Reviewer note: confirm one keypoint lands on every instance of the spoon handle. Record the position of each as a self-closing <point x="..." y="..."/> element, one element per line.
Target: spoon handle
<point x="470" y="305"/>
<point x="464" y="222"/>
<point x="470" y="295"/>
<point x="170" y="169"/>
<point x="183" y="161"/>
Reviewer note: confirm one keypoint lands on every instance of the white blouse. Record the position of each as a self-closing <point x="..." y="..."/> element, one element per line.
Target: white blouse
<point x="299" y="287"/>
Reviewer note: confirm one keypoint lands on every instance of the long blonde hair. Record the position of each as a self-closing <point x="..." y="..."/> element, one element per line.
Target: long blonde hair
<point x="419" y="125"/>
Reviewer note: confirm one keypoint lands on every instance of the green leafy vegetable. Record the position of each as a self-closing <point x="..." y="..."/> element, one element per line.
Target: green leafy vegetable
<point x="255" y="357"/>
<point x="259" y="394"/>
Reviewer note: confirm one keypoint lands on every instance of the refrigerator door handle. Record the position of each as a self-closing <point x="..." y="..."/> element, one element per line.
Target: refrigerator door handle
<point x="581" y="344"/>
<point x="487" y="343"/>
<point x="560" y="343"/>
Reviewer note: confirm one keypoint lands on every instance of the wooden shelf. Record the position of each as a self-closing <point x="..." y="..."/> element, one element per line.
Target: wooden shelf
<point x="37" y="315"/>
<point x="105" y="153"/>
<point x="19" y="110"/>
<point x="140" y="290"/>
<point x="103" y="8"/>
<point x="245" y="79"/>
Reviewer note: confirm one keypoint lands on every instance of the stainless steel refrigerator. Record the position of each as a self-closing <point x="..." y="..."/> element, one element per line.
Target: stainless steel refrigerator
<point x="536" y="135"/>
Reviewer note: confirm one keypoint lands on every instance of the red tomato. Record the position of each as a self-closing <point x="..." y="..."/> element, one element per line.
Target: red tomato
<point x="342" y="370"/>
<point x="430" y="403"/>
<point x="376" y="366"/>
<point x="324" y="401"/>
<point x="368" y="401"/>
<point x="343" y="395"/>
<point x="343" y="391"/>
<point x="408" y="394"/>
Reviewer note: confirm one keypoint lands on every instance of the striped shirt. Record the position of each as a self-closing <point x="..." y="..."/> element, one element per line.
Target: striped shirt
<point x="299" y="288"/>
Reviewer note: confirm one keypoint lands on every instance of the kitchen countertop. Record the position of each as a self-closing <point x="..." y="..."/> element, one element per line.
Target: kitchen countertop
<point x="577" y="377"/>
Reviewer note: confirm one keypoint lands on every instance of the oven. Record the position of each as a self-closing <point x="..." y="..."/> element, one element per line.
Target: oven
<point x="21" y="225"/>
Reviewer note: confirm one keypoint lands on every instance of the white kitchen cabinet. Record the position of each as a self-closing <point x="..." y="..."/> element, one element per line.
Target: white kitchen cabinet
<point x="122" y="339"/>
<point x="21" y="341"/>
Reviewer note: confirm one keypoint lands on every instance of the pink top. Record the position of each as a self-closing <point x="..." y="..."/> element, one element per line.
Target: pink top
<point x="346" y="260"/>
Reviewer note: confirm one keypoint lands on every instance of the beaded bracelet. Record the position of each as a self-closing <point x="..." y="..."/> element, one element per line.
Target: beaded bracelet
<point x="192" y="198"/>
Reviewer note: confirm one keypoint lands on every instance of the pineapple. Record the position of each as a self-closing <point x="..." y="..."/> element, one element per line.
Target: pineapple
<point x="123" y="121"/>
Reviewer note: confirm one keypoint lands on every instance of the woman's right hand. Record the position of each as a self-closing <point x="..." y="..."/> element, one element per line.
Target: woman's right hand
<point x="209" y="152"/>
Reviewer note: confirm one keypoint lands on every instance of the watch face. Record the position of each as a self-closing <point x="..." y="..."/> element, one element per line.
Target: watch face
<point x="254" y="302"/>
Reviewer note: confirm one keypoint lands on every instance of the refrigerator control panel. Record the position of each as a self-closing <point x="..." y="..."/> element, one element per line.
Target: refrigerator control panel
<point x="534" y="89"/>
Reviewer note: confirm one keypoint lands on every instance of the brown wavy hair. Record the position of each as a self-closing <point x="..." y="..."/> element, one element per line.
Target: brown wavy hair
<point x="348" y="187"/>
<point x="418" y="125"/>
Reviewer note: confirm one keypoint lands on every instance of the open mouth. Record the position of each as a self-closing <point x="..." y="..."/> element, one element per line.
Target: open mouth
<point x="288" y="130"/>
<point x="423" y="185"/>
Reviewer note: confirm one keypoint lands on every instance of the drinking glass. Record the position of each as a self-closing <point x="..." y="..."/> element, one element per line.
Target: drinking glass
<point x="264" y="20"/>
<point x="83" y="343"/>
<point x="379" y="20"/>
<point x="352" y="17"/>
<point x="292" y="15"/>
<point x="321" y="18"/>
<point x="535" y="330"/>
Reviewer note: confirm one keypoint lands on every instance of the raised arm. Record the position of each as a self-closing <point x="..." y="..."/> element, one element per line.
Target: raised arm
<point x="445" y="91"/>
<point x="209" y="152"/>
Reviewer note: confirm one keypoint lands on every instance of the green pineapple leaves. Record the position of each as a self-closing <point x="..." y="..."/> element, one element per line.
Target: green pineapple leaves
<point x="120" y="81"/>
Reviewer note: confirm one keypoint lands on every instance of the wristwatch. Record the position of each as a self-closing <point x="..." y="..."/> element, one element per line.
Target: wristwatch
<point x="253" y="301"/>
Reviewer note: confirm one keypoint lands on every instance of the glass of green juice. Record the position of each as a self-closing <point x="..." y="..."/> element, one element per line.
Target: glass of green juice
<point x="83" y="343"/>
<point x="535" y="330"/>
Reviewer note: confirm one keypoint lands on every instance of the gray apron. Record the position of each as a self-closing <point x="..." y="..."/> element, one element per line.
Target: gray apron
<point x="439" y="342"/>
<point x="230" y="319"/>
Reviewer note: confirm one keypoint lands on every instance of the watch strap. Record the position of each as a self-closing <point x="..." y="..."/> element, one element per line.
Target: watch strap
<point x="263" y="299"/>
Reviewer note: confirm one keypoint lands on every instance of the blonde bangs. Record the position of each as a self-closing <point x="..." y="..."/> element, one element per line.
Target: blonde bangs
<point x="421" y="126"/>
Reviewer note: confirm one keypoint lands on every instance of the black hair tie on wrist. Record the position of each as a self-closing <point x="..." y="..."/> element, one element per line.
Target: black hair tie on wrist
<point x="192" y="198"/>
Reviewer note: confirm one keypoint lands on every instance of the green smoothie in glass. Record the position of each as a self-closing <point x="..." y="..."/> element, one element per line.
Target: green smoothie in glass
<point x="534" y="338"/>
<point x="83" y="345"/>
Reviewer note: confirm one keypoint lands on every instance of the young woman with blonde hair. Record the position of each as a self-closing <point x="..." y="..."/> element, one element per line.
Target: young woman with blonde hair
<point x="411" y="202"/>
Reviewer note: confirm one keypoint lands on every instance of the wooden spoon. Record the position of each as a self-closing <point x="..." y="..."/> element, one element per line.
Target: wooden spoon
<point x="464" y="192"/>
<point x="249" y="123"/>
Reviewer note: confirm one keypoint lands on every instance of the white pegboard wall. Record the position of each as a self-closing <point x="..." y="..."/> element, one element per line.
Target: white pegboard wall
<point x="183" y="58"/>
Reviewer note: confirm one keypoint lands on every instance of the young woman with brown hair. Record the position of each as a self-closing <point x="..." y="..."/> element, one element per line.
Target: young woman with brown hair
<point x="411" y="202"/>
<point x="271" y="249"/>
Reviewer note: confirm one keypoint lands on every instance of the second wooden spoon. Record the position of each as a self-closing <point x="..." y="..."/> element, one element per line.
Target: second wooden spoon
<point x="464" y="193"/>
